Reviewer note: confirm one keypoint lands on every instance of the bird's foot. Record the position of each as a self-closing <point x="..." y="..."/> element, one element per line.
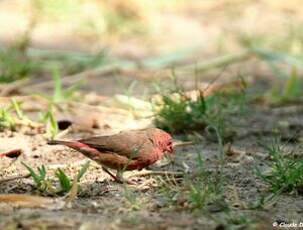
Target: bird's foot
<point x="118" y="178"/>
<point x="121" y="180"/>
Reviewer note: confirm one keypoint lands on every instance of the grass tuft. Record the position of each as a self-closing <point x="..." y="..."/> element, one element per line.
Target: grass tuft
<point x="49" y="120"/>
<point x="14" y="62"/>
<point x="45" y="185"/>
<point x="181" y="113"/>
<point x="60" y="94"/>
<point x="6" y="119"/>
<point x="195" y="191"/>
<point x="176" y="112"/>
<point x="11" y="114"/>
<point x="289" y="92"/>
<point x="284" y="173"/>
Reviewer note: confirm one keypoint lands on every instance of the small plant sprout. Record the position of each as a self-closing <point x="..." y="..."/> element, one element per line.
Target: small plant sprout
<point x="66" y="182"/>
<point x="16" y="106"/>
<point x="46" y="185"/>
<point x="11" y="114"/>
<point x="39" y="177"/>
<point x="15" y="63"/>
<point x="131" y="198"/>
<point x="52" y="128"/>
<point x="61" y="94"/>
<point x="284" y="174"/>
<point x="196" y="191"/>
<point x="6" y="119"/>
<point x="290" y="92"/>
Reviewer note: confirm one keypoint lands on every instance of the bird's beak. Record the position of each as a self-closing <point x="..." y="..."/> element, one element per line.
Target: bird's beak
<point x="169" y="148"/>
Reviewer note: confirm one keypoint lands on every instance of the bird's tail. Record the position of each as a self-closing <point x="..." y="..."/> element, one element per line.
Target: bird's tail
<point x="72" y="144"/>
<point x="76" y="145"/>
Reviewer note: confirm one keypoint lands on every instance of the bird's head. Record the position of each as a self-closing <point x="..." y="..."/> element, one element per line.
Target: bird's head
<point x="163" y="140"/>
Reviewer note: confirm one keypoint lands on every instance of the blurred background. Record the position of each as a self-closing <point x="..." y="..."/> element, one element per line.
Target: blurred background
<point x="119" y="45"/>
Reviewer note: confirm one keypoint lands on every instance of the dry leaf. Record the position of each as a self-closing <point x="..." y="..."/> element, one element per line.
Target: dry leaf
<point x="12" y="153"/>
<point x="29" y="201"/>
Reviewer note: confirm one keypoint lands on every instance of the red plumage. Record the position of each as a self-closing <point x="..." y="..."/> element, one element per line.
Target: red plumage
<point x="127" y="150"/>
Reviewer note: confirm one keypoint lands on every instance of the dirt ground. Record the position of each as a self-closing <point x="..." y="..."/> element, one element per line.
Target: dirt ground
<point x="102" y="203"/>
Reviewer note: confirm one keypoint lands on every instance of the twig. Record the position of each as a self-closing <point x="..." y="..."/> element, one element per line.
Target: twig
<point x="71" y="165"/>
<point x="144" y="184"/>
<point x="220" y="61"/>
<point x="14" y="178"/>
<point x="65" y="80"/>
<point x="156" y="173"/>
<point x="184" y="143"/>
<point x="214" y="80"/>
<point x="27" y="122"/>
<point x="57" y="53"/>
<point x="72" y="193"/>
<point x="24" y="98"/>
<point x="72" y="79"/>
<point x="29" y="201"/>
<point x="7" y="89"/>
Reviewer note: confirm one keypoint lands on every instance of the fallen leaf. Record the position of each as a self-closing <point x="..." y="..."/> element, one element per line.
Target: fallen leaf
<point x="12" y="153"/>
<point x="29" y="201"/>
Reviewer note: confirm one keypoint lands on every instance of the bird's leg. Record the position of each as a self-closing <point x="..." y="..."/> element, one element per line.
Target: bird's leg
<point x="119" y="175"/>
<point x="117" y="178"/>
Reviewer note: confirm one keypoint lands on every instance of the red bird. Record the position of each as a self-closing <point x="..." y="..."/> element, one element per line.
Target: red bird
<point x="127" y="150"/>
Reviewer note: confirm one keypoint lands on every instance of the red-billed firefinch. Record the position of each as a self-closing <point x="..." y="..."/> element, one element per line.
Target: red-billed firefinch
<point x="127" y="150"/>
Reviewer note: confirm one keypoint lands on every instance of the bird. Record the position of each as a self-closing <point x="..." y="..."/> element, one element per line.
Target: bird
<point x="126" y="150"/>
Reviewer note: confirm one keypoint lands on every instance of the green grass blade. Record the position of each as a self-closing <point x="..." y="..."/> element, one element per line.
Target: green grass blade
<point x="83" y="170"/>
<point x="64" y="180"/>
<point x="35" y="177"/>
<point x="58" y="95"/>
<point x="17" y="108"/>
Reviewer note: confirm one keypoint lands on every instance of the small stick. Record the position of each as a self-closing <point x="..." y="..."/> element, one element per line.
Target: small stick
<point x="27" y="122"/>
<point x="14" y="178"/>
<point x="72" y="164"/>
<point x="8" y="88"/>
<point x="184" y="143"/>
<point x="72" y="195"/>
<point x="145" y="183"/>
<point x="156" y="173"/>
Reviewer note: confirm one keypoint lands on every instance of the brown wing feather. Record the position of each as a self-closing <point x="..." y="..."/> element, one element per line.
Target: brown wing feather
<point x="116" y="161"/>
<point x="131" y="144"/>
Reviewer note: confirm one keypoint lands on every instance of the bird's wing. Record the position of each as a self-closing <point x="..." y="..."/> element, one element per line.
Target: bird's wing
<point x="131" y="144"/>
